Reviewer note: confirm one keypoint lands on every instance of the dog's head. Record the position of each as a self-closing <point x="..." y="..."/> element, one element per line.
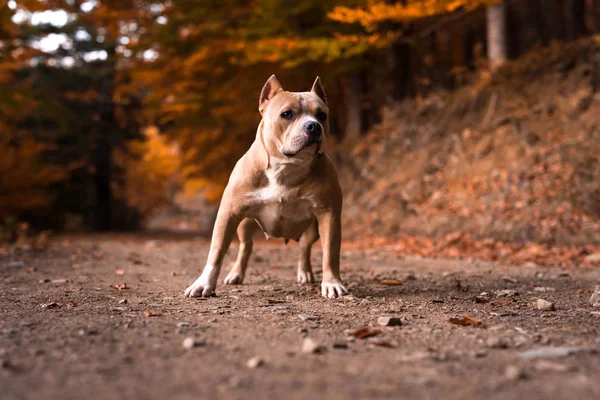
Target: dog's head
<point x="295" y="123"/>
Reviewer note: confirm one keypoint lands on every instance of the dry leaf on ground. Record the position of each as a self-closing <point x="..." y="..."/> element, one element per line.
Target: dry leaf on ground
<point x="465" y="320"/>
<point x="366" y="333"/>
<point x="152" y="313"/>
<point x="391" y="282"/>
<point x="120" y="286"/>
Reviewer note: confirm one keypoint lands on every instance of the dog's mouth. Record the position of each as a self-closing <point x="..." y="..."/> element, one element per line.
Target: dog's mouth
<point x="300" y="144"/>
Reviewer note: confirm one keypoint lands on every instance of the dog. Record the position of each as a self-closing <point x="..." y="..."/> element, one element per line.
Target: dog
<point x="284" y="185"/>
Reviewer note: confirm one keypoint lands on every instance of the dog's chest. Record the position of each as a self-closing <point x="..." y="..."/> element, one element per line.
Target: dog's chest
<point x="282" y="211"/>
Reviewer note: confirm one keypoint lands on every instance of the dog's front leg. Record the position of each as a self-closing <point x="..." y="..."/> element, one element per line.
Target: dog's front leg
<point x="225" y="227"/>
<point x="330" y="230"/>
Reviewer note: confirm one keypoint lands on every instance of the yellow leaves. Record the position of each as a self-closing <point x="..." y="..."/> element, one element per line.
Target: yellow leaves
<point x="294" y="52"/>
<point x="152" y="171"/>
<point x="210" y="190"/>
<point x="379" y="11"/>
<point x="24" y="178"/>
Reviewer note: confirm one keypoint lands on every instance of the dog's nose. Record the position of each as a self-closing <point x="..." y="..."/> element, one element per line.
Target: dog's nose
<point x="313" y="128"/>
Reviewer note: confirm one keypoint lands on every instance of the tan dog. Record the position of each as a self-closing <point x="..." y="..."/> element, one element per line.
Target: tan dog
<point x="285" y="185"/>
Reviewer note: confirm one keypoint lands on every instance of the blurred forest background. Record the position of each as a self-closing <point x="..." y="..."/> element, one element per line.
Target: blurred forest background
<point x="466" y="120"/>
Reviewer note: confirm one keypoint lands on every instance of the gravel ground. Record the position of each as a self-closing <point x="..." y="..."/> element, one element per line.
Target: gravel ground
<point x="71" y="329"/>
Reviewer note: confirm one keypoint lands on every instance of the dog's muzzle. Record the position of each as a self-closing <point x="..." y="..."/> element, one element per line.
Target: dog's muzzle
<point x="313" y="130"/>
<point x="311" y="133"/>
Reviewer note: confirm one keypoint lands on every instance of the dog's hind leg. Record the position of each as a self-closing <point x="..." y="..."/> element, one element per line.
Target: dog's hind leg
<point x="238" y="271"/>
<point x="311" y="235"/>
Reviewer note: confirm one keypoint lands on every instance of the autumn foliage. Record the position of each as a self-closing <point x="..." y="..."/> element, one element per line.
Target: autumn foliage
<point x="112" y="111"/>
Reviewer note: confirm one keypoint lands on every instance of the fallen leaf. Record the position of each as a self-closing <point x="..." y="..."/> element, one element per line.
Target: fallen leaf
<point x="366" y="333"/>
<point x="465" y="320"/>
<point x="120" y="272"/>
<point x="391" y="282"/>
<point x="152" y="313"/>
<point x="274" y="301"/>
<point x="120" y="286"/>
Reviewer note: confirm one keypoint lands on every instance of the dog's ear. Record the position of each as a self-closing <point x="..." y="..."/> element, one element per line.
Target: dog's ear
<point x="318" y="89"/>
<point x="271" y="88"/>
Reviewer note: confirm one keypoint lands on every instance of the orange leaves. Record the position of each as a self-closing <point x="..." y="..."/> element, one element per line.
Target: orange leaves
<point x="379" y="11"/>
<point x="120" y="286"/>
<point x="464" y="246"/>
<point x="465" y="320"/>
<point x="294" y="52"/>
<point x="23" y="174"/>
<point x="391" y="282"/>
<point x="152" y="313"/>
<point x="366" y="333"/>
<point x="152" y="167"/>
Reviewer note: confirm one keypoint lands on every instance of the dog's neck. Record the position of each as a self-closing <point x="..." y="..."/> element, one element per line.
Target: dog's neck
<point x="285" y="171"/>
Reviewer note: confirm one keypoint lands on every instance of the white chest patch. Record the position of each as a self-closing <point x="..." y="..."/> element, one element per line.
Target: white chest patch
<point x="274" y="192"/>
<point x="279" y="209"/>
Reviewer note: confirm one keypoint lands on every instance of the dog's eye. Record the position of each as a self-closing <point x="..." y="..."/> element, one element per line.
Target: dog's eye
<point x="287" y="114"/>
<point x="321" y="116"/>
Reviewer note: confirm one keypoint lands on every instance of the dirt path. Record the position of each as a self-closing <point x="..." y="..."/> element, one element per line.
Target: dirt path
<point x="98" y="346"/>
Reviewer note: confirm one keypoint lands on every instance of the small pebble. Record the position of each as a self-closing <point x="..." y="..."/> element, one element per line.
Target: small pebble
<point x="506" y="293"/>
<point x="513" y="373"/>
<point x="389" y="321"/>
<point x="496" y="342"/>
<point x="307" y="317"/>
<point x="545" y="305"/>
<point x="310" y="346"/>
<point x="254" y="362"/>
<point x="190" y="343"/>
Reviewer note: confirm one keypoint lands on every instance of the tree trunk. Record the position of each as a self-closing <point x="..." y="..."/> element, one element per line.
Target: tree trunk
<point x="574" y="12"/>
<point x="353" y="106"/>
<point x="103" y="148"/>
<point x="496" y="34"/>
<point x="400" y="69"/>
<point x="591" y="16"/>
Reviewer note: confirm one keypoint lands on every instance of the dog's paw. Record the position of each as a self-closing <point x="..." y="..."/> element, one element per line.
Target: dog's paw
<point x="202" y="287"/>
<point x="333" y="289"/>
<point x="305" y="277"/>
<point x="234" y="278"/>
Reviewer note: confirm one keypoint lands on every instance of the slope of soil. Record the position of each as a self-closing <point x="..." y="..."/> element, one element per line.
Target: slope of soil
<point x="514" y="157"/>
